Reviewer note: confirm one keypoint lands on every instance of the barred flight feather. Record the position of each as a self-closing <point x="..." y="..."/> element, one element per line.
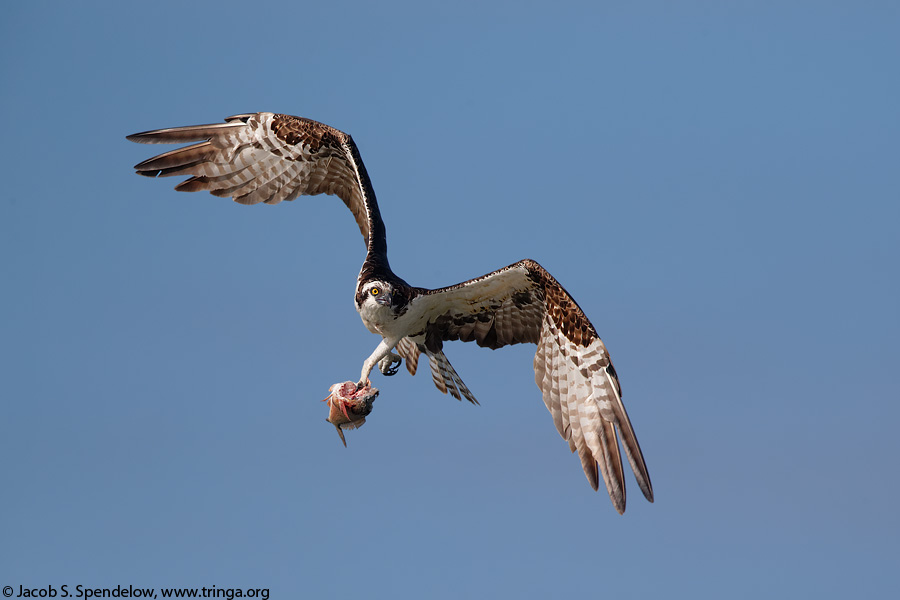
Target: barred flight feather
<point x="269" y="158"/>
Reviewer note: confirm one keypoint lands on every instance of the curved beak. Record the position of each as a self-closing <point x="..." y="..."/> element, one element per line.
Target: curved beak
<point x="384" y="299"/>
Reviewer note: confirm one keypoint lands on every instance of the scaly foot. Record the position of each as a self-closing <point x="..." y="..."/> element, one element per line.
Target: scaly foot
<point x="390" y="364"/>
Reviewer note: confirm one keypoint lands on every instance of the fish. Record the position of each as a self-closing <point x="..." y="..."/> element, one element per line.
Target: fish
<point x="348" y="406"/>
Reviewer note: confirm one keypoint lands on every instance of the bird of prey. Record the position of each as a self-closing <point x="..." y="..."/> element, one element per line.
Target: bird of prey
<point x="266" y="157"/>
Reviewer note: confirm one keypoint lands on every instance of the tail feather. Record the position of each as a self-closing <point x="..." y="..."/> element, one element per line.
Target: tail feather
<point x="446" y="378"/>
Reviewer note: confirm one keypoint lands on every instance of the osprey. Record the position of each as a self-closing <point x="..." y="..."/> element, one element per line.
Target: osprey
<point x="266" y="157"/>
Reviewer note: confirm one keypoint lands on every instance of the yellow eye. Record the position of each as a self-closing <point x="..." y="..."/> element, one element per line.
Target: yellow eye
<point x="375" y="291"/>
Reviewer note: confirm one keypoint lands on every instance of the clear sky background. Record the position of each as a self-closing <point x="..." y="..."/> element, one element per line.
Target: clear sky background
<point x="716" y="183"/>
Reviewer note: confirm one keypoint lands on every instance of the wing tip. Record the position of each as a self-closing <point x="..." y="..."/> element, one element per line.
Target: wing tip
<point x="647" y="490"/>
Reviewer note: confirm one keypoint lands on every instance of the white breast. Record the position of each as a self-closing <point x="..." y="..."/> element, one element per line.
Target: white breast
<point x="381" y="319"/>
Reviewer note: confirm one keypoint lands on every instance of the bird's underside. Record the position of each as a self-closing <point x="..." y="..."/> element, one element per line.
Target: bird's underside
<point x="266" y="157"/>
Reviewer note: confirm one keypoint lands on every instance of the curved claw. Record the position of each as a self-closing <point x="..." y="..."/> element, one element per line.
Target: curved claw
<point x="390" y="368"/>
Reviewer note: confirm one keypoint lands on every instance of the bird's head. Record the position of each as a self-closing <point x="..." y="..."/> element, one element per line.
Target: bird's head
<point x="375" y="294"/>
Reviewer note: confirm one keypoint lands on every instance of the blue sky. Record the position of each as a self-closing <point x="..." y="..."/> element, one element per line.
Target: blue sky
<point x="714" y="182"/>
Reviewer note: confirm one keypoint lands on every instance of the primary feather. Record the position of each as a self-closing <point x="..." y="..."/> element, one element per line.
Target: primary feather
<point x="270" y="158"/>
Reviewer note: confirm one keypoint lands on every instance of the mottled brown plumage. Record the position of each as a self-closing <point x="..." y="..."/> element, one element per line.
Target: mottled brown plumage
<point x="523" y="303"/>
<point x="269" y="158"/>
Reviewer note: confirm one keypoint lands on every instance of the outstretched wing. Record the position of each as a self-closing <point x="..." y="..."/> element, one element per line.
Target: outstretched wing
<point x="266" y="157"/>
<point x="524" y="303"/>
